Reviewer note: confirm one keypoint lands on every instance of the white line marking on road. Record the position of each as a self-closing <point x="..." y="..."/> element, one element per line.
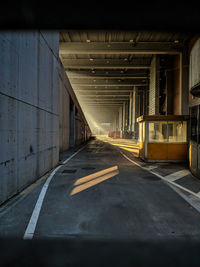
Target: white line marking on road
<point x="163" y="178"/>
<point x="131" y="160"/>
<point x="177" y="175"/>
<point x="35" y="215"/>
<point x="151" y="167"/>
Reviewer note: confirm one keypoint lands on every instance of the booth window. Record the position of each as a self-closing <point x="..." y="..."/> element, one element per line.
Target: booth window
<point x="157" y="131"/>
<point x="175" y="131"/>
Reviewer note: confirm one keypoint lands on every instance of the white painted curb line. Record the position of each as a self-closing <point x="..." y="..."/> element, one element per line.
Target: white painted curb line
<point x="30" y="230"/>
<point x="162" y="177"/>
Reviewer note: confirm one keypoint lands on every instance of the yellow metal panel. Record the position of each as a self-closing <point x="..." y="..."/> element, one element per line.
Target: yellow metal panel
<point x="141" y="150"/>
<point x="157" y="151"/>
<point x="167" y="151"/>
<point x="177" y="151"/>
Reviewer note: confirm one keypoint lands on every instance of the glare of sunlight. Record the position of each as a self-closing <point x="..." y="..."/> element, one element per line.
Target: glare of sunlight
<point x="95" y="175"/>
<point x="93" y="179"/>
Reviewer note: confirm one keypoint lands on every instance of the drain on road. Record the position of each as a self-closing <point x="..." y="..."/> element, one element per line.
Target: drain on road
<point x="69" y="171"/>
<point x="88" y="168"/>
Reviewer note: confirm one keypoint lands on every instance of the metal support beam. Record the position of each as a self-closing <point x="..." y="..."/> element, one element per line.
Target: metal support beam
<point x="124" y="48"/>
<point x="102" y="91"/>
<point x="109" y="85"/>
<point x="105" y="64"/>
<point x="106" y="73"/>
<point x="119" y="82"/>
<point x="124" y="77"/>
<point x="97" y="95"/>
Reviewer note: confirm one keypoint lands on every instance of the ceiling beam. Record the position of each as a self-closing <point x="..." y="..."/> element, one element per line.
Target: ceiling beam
<point x="105" y="64"/>
<point x="103" y="91"/>
<point x="102" y="103"/>
<point x="110" y="99"/>
<point x="105" y="105"/>
<point x="104" y="98"/>
<point x="107" y="73"/>
<point x="124" y="48"/>
<point x="107" y="77"/>
<point x="117" y="82"/>
<point x="108" y="85"/>
<point x="86" y="95"/>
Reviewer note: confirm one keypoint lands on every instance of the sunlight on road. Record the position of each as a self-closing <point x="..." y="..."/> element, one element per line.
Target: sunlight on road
<point x="126" y="144"/>
<point x="93" y="179"/>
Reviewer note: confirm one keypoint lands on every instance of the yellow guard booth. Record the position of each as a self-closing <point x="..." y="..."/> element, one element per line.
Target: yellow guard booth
<point x="163" y="137"/>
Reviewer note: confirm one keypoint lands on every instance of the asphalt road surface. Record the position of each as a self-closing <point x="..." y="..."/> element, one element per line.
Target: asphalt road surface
<point x="99" y="194"/>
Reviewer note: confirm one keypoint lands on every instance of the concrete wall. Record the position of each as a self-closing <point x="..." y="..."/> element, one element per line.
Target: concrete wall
<point x="64" y="120"/>
<point x="72" y="122"/>
<point x="29" y="128"/>
<point x="34" y="108"/>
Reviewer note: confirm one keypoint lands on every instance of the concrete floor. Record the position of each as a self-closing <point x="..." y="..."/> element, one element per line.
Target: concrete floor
<point x="126" y="202"/>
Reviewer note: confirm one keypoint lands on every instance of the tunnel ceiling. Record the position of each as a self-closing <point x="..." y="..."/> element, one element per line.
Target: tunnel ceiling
<point x="104" y="66"/>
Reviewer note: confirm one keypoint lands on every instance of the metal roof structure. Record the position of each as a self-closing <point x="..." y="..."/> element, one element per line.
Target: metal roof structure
<point x="104" y="66"/>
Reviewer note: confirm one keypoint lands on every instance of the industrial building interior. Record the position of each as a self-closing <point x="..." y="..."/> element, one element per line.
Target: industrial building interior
<point x="106" y="68"/>
<point x="99" y="138"/>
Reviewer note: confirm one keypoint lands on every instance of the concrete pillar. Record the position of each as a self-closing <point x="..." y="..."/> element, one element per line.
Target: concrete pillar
<point x="145" y="111"/>
<point x="184" y="82"/>
<point x="135" y="112"/>
<point x="124" y="116"/>
<point x="120" y="118"/>
<point x="114" y="124"/>
<point x="117" y="121"/>
<point x="130" y="111"/>
<point x="154" y="86"/>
